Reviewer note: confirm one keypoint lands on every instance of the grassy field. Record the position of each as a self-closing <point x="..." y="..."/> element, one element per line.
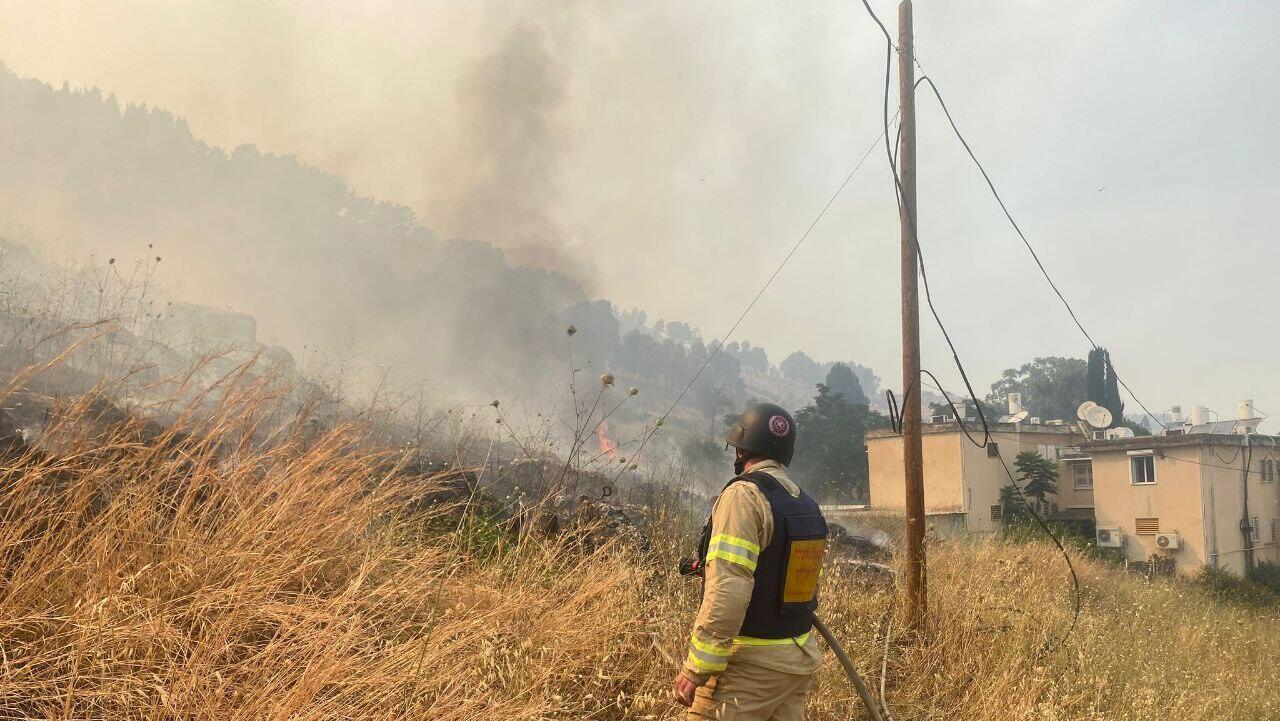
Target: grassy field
<point x="218" y="571"/>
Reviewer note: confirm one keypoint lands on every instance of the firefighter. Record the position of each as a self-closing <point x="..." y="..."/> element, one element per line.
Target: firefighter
<point x="751" y="654"/>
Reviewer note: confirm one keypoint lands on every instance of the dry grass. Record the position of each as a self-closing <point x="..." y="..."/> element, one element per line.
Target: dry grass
<point x="226" y="571"/>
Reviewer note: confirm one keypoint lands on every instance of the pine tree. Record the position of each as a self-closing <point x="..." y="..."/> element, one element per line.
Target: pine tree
<point x="831" y="456"/>
<point x="840" y="379"/>
<point x="1039" y="475"/>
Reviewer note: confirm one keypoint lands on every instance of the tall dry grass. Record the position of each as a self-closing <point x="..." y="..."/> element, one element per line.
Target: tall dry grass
<point x="221" y="568"/>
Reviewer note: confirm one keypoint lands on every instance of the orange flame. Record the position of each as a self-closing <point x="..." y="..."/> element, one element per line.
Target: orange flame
<point x="607" y="446"/>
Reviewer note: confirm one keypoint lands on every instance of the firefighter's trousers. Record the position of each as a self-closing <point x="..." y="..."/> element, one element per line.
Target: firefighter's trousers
<point x="747" y="692"/>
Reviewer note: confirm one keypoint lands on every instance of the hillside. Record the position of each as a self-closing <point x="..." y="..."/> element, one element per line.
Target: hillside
<point x="320" y="270"/>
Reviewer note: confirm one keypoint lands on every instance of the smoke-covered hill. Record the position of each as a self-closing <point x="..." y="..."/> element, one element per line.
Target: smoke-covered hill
<point x="317" y="266"/>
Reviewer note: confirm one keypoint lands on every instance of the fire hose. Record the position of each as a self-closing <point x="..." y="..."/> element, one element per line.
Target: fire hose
<point x="849" y="669"/>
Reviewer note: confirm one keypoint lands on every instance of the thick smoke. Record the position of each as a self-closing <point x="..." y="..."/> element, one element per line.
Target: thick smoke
<point x="508" y="164"/>
<point x="317" y="266"/>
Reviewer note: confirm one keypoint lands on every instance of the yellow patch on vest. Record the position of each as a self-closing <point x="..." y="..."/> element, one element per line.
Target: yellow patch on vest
<point x="803" y="568"/>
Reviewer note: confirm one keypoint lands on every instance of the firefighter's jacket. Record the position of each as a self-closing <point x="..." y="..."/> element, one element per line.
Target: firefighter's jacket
<point x="741" y="520"/>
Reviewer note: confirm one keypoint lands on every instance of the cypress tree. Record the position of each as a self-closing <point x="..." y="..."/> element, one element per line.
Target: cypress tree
<point x="1095" y="377"/>
<point x="1112" y="396"/>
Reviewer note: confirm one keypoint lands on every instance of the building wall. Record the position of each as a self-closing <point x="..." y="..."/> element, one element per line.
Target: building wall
<point x="943" y="473"/>
<point x="1199" y="494"/>
<point x="959" y="477"/>
<point x="1070" y="496"/>
<point x="1223" y="501"/>
<point x="1175" y="499"/>
<point x="985" y="476"/>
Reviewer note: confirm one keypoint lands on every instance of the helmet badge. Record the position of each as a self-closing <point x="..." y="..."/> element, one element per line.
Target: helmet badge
<point x="779" y="426"/>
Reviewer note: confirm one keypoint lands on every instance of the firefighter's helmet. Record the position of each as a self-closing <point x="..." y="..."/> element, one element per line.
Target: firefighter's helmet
<point x="766" y="430"/>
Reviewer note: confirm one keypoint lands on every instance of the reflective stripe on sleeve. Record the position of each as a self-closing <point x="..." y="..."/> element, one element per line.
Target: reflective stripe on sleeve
<point x="704" y="661"/>
<point x="708" y="656"/>
<point x="749" y="641"/>
<point x="742" y="543"/>
<point x="735" y="550"/>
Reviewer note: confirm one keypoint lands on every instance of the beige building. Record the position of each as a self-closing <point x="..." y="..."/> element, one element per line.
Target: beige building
<point x="1183" y="497"/>
<point x="963" y="481"/>
<point x="1179" y="497"/>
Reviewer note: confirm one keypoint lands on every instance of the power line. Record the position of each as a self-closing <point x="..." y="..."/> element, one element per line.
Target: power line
<point x="725" y="340"/>
<point x="1030" y="249"/>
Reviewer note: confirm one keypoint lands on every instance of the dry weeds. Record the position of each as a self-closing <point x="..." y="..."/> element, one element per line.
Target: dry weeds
<point x="224" y="570"/>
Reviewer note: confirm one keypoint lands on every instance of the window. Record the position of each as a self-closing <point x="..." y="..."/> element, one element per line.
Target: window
<point x="1146" y="526"/>
<point x="1142" y="469"/>
<point x="993" y="449"/>
<point x="1274" y="536"/>
<point x="1268" y="472"/>
<point x="1082" y="475"/>
<point x="1253" y="529"/>
<point x="1053" y="508"/>
<point x="997" y="512"/>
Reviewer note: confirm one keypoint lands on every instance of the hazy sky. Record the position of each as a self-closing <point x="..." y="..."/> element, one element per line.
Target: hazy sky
<point x="668" y="153"/>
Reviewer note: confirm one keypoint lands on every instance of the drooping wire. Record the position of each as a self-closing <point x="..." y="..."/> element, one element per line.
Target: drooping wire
<point x="908" y="214"/>
<point x="1220" y="459"/>
<point x="768" y="282"/>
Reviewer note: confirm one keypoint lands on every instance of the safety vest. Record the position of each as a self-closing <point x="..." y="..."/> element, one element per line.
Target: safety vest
<point x="785" y="593"/>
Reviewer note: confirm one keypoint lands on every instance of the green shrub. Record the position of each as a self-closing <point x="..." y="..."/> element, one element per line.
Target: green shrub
<point x="1227" y="586"/>
<point x="1267" y="574"/>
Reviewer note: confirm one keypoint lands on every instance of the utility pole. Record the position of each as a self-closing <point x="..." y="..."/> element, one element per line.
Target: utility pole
<point x="916" y="598"/>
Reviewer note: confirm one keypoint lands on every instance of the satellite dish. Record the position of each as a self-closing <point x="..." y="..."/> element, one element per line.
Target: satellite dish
<point x="1098" y="417"/>
<point x="1122" y="432"/>
<point x="1084" y="409"/>
<point x="1020" y="416"/>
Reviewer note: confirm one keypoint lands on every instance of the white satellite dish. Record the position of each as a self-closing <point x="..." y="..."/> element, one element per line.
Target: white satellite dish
<point x="1084" y="408"/>
<point x="1020" y="416"/>
<point x="1098" y="417"/>
<point x="1122" y="432"/>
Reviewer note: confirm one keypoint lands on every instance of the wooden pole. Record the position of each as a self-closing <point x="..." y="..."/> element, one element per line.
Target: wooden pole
<point x="915" y="600"/>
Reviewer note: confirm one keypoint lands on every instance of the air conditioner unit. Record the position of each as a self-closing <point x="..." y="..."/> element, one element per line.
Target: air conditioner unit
<point x="1168" y="541"/>
<point x="1110" y="537"/>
